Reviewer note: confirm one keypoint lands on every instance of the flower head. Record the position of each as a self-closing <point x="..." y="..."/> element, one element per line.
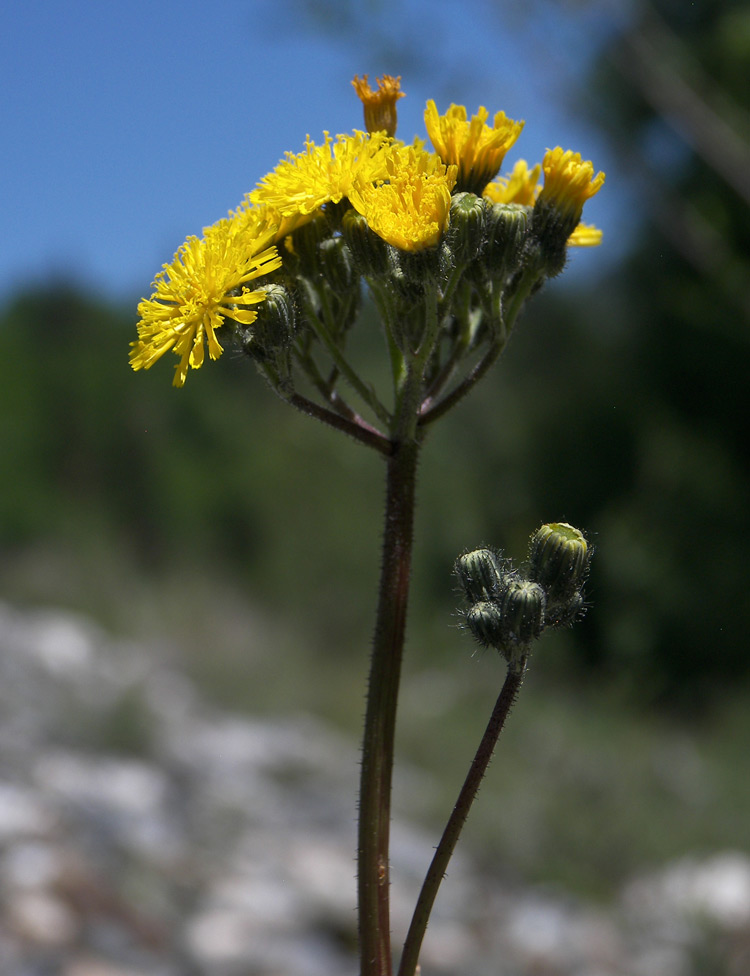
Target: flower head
<point x="204" y="284"/>
<point x="380" y="105"/>
<point x="410" y="208"/>
<point x="522" y="186"/>
<point x="476" y="148"/>
<point x="568" y="182"/>
<point x="304" y="182"/>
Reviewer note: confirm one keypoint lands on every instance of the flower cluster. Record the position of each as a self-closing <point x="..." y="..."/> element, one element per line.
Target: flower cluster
<point x="366" y="206"/>
<point x="509" y="609"/>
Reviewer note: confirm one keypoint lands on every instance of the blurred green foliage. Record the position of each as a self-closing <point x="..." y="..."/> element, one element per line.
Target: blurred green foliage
<point x="589" y="418"/>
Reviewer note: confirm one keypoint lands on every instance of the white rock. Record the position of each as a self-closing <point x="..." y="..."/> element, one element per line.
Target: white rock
<point x="42" y="919"/>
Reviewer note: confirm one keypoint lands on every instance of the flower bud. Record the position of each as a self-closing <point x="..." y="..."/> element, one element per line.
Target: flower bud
<point x="275" y="326"/>
<point x="303" y="244"/>
<point x="522" y="606"/>
<point x="507" y="226"/>
<point x="559" y="561"/>
<point x="479" y="573"/>
<point x="485" y="621"/>
<point x="370" y="252"/>
<point x="465" y="233"/>
<point x="565" y="613"/>
<point x="337" y="265"/>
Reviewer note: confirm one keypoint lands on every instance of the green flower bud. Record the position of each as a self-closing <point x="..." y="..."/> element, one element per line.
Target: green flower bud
<point x="479" y="573"/>
<point x="302" y="246"/>
<point x="559" y="561"/>
<point x="371" y="253"/>
<point x="566" y="613"/>
<point x="523" y="604"/>
<point x="337" y="265"/>
<point x="275" y="326"/>
<point x="507" y="228"/>
<point x="485" y="621"/>
<point x="465" y="234"/>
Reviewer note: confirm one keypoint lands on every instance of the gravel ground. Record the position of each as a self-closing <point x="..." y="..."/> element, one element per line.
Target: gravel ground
<point x="145" y="833"/>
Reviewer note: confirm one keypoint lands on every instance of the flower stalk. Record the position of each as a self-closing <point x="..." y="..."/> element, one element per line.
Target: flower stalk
<point x="373" y="867"/>
<point x="451" y="833"/>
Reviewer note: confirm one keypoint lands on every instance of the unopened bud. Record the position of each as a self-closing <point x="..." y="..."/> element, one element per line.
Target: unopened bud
<point x="559" y="561"/>
<point x="480" y="573"/>
<point x="507" y="226"/>
<point x="337" y="265"/>
<point x="465" y="233"/>
<point x="303" y="244"/>
<point x="485" y="621"/>
<point x="567" y="612"/>
<point x="523" y="605"/>
<point x="275" y="326"/>
<point x="370" y="252"/>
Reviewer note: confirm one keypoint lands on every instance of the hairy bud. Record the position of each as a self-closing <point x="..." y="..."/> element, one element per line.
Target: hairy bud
<point x="559" y="559"/>
<point x="275" y="326"/>
<point x="479" y="573"/>
<point x="485" y="621"/>
<point x="371" y="254"/>
<point x="465" y="234"/>
<point x="523" y="606"/>
<point x="507" y="226"/>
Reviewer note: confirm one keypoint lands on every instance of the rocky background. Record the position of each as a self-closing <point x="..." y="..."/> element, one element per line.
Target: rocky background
<point x="145" y="833"/>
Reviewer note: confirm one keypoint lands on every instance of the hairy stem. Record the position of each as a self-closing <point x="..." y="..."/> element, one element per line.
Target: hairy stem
<point x="445" y="848"/>
<point x="380" y="718"/>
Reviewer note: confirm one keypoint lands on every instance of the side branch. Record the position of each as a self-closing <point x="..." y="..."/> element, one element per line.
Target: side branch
<point x="445" y="848"/>
<point x="433" y="411"/>
<point x="355" y="426"/>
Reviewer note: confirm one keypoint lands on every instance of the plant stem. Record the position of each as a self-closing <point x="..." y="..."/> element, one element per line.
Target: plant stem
<point x="365" y="390"/>
<point x="380" y="718"/>
<point x="432" y="412"/>
<point x="445" y="848"/>
<point x="355" y="426"/>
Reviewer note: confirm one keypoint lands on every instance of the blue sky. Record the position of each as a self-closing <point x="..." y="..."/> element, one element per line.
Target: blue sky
<point x="128" y="126"/>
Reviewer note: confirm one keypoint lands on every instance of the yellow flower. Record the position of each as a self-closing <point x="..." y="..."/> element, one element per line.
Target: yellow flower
<point x="263" y="223"/>
<point x="585" y="235"/>
<point x="302" y="183"/>
<point x="568" y="183"/>
<point x="474" y="147"/>
<point x="522" y="186"/>
<point x="410" y="210"/>
<point x="380" y="105"/>
<point x="198" y="290"/>
<point x="254" y="228"/>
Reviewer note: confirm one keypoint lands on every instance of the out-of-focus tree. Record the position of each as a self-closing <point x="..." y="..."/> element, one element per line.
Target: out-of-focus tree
<point x="673" y="329"/>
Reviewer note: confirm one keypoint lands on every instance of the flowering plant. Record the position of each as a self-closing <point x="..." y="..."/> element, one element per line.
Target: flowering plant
<point x="450" y="251"/>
